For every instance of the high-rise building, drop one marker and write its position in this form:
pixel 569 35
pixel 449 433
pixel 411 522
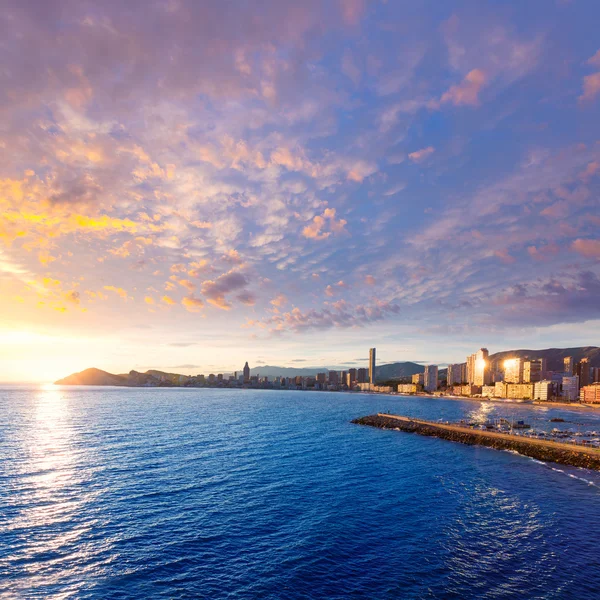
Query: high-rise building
pixel 533 370
pixel 431 378
pixel 595 375
pixel 246 372
pixel 361 375
pixel 351 379
pixel 513 370
pixel 481 368
pixel 321 378
pixel 333 378
pixel 471 368
pixel 582 370
pixel 568 368
pixel 570 386
pixel 372 365
pixel 454 374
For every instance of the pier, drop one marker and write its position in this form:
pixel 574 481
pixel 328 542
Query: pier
pixel 544 450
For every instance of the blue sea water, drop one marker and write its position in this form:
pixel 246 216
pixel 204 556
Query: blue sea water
pixel 171 493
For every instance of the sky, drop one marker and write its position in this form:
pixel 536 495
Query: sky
pixel 189 185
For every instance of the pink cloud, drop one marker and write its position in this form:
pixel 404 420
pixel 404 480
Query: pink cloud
pixel 591 87
pixel 317 229
pixel 589 248
pixel 352 10
pixel 192 304
pixel 370 280
pixel 466 92
pixel 421 155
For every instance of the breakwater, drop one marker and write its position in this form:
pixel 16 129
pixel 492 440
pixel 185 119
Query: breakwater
pixel 544 450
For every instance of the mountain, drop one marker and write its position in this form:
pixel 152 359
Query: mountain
pixel 553 356
pixel 383 372
pixel 93 377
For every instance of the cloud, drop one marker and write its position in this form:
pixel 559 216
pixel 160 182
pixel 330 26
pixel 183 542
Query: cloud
pixel 215 291
pixel 591 87
pixel 279 300
pixel 370 280
pixel 117 290
pixel 340 314
pixel 422 154
pixel 324 225
pixel 192 304
pixel 589 248
pixel 466 93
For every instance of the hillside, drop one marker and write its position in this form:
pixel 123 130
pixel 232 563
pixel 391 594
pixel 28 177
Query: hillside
pixel 93 377
pixel 553 356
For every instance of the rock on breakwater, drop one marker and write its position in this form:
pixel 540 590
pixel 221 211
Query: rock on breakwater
pixel 544 450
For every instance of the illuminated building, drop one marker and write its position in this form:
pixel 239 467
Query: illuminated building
pixel 407 388
pixel 371 365
pixel 481 368
pixel 543 390
pixel 454 374
pixel 513 370
pixel 568 368
pixel 590 393
pixel 418 378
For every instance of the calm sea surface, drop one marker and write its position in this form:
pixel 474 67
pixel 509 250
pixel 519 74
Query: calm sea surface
pixel 148 493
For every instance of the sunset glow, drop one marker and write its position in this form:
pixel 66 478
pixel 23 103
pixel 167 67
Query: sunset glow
pixel 185 187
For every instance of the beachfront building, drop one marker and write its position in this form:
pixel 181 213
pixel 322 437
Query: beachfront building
pixel 430 378
pixel 455 374
pixel 371 365
pixel 418 378
pixel 519 391
pixel 513 370
pixel 543 390
pixel 246 373
pixel 407 388
pixel 361 375
pixel 488 391
pixel 590 394
pixel 570 388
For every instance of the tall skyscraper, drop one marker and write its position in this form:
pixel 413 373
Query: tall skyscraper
pixel 431 378
pixel 246 372
pixel 481 368
pixel 371 366
pixel 568 368
pixel 351 377
pixel 361 375
pixel 453 373
pixel 582 370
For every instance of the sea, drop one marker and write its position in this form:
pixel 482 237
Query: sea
pixel 214 493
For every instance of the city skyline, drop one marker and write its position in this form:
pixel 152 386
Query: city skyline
pixel 295 182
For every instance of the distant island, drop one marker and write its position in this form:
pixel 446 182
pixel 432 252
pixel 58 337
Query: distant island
pixel 398 371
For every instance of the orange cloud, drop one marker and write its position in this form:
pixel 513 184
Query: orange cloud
pixel 589 248
pixel 192 304
pixel 117 290
pixel 149 300
pixel 466 92
pixel 168 300
pixel 279 300
pixel 370 280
